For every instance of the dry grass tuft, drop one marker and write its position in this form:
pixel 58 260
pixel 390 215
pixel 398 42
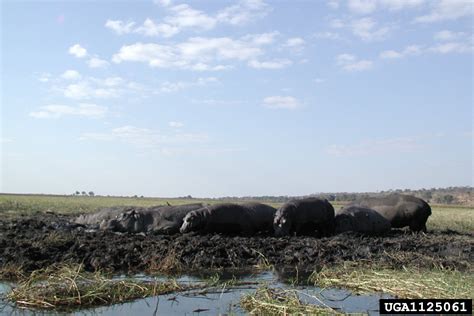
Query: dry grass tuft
pixel 169 264
pixel 406 283
pixel 11 272
pixel 276 301
pixel 69 287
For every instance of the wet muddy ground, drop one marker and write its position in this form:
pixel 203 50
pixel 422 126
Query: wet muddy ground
pixel 38 241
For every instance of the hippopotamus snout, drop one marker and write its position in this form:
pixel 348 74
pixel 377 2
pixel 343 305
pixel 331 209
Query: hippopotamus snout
pixel 281 226
pixel 187 224
pixel 111 224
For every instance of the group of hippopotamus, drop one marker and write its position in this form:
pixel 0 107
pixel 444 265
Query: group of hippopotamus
pixel 371 216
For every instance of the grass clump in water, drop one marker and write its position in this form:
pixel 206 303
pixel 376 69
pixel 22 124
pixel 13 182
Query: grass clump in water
pixel 70 287
pixel 277 301
pixel 405 283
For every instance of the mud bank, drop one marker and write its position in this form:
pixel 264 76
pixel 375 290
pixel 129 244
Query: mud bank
pixel 35 242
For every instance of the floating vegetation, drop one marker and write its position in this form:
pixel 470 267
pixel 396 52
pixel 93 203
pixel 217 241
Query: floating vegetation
pixel 404 283
pixel 11 272
pixel 277 301
pixel 69 287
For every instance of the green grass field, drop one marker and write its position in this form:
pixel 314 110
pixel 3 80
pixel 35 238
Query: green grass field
pixel 458 218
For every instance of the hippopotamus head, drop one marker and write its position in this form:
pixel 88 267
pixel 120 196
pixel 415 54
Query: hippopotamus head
pixel 282 221
pixel 131 221
pixel 191 222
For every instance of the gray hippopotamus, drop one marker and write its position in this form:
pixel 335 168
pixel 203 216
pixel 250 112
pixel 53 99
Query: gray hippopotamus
pixel 93 220
pixel 400 210
pixel 362 220
pixel 230 218
pixel 304 216
pixel 163 219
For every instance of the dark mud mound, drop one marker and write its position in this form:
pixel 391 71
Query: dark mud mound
pixel 36 242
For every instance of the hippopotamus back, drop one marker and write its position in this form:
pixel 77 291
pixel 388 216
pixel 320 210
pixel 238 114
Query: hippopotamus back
pixel 362 220
pixel 163 219
pixel 228 218
pixel 304 216
pixel 101 215
pixel 400 210
pixel 170 218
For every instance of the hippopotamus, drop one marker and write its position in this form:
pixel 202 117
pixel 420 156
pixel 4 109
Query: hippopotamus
pixel 400 210
pixel 304 216
pixel 163 219
pixel 230 218
pixel 93 220
pixel 361 219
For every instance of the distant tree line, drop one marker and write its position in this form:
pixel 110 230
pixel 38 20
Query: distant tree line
pixel 83 193
pixel 450 195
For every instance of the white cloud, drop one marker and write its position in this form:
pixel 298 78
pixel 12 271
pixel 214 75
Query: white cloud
pixel 150 28
pixel 163 3
pixel 71 75
pixel 262 38
pixel 447 35
pixel 144 137
pixel 337 23
pixel 197 53
pixel 270 64
pixel 390 54
pixel 452 47
pixel 396 5
pixel 78 51
pixel 408 51
pixel 376 146
pixel 96 88
pixel 176 124
pixel 120 27
pixel 183 16
pixel 4 140
pixel 295 43
pixel 96 62
pixel 333 4
pixel 443 10
pixel 328 35
pixel 215 102
pixel 85 90
pixel 441 48
pixel 44 77
pixel 351 63
pixel 168 87
pixel 243 12
pixel 362 6
pixel 319 80
pixel 366 29
pixel 281 102
pixel 57 111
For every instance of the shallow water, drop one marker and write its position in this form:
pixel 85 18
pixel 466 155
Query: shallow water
pixel 219 301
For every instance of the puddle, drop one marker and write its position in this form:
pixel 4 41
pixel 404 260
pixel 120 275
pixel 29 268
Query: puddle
pixel 219 301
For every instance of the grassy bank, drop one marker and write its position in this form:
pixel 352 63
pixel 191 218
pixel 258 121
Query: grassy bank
pixel 404 283
pixel 444 217
pixel 277 301
pixel 68 287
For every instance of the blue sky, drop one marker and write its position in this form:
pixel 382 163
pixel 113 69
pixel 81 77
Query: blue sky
pixel 216 98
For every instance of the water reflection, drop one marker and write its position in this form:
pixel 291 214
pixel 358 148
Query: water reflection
pixel 222 300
